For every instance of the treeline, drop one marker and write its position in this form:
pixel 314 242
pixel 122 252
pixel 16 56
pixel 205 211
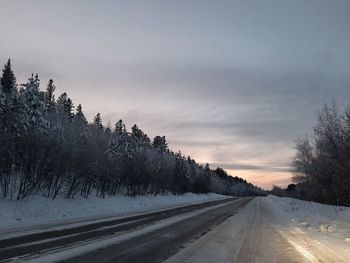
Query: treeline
pixel 321 166
pixel 48 147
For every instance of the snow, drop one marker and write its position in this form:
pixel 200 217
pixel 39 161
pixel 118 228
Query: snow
pixel 39 211
pixel 325 228
pixel 311 216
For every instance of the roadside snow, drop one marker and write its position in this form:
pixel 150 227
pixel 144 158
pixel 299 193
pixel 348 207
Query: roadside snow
pixel 333 220
pixel 38 210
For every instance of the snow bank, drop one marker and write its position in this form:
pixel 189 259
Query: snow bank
pixel 312 216
pixel 38 210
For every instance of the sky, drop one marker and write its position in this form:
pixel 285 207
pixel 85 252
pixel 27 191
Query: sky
pixel 232 83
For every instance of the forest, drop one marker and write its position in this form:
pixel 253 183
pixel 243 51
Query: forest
pixel 48 147
pixel 321 165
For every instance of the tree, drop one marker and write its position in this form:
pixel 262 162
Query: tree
pixel 321 167
pixel 65 106
pixel 9 112
pixel 50 97
pixel 140 137
pixel 303 161
pixel 98 121
pixel 181 182
pixel 160 143
pixel 8 80
pixel 33 105
pixel 79 115
pixel 119 127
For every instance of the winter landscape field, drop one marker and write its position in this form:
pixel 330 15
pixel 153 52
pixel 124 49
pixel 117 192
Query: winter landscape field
pixel 187 131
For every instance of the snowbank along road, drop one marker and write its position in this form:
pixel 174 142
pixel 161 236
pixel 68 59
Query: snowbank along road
pixel 230 230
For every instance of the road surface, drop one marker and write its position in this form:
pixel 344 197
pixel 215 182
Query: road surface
pixel 34 245
pixel 230 230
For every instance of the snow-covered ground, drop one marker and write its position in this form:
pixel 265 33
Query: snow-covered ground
pixel 334 221
pixel 38 210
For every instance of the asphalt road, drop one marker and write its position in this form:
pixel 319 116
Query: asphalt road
pixel 257 234
pixel 154 246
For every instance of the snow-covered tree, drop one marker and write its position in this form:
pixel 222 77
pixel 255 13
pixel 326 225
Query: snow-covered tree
pixel 79 116
pixel 9 115
pixel 33 104
pixel 8 80
pixel 50 97
pixel 119 127
pixel 159 142
pixel 181 182
pixel 98 121
pixel 65 106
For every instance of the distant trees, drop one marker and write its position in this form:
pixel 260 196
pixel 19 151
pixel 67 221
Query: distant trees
pixel 48 147
pixel 321 165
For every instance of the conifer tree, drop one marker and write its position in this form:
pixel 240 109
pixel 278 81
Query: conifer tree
pixel 9 114
pixel 98 121
pixel 160 143
pixel 50 97
pixel 65 106
pixel 119 127
pixel 33 104
pixel 8 79
pixel 79 115
pixel 139 136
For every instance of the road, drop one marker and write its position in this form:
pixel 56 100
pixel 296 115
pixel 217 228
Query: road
pixel 34 245
pixel 257 235
pixel 231 230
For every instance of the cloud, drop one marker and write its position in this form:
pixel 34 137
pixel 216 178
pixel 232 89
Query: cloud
pixel 272 167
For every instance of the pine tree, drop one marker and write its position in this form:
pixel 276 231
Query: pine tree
pixel 9 114
pixel 65 106
pixel 50 97
pixel 160 143
pixel 69 107
pixel 180 182
pixel 98 121
pixel 79 115
pixel 119 127
pixel 121 144
pixel 139 136
pixel 62 99
pixel 2 101
pixel 8 79
pixel 33 104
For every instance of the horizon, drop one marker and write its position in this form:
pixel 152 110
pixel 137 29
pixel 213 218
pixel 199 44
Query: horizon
pixel 236 90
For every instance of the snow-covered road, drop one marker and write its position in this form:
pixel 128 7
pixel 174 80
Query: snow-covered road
pixel 83 239
pixel 266 230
